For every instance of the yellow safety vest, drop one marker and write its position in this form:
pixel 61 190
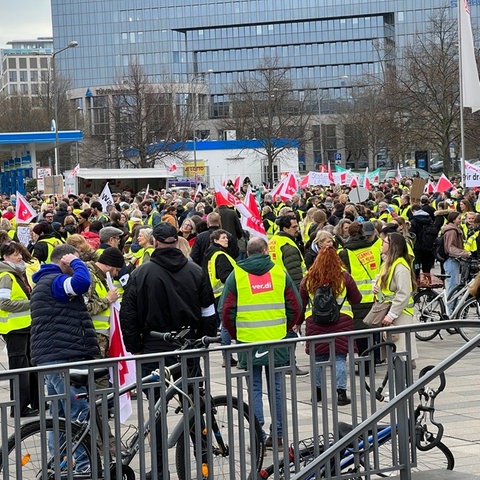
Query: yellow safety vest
pixel 404 211
pixel 364 267
pixel 272 228
pixel 388 294
pixel 261 312
pixel 471 244
pixel 10 321
pixel 217 285
pixel 145 251
pixel 101 321
pixel 51 244
pixel 275 245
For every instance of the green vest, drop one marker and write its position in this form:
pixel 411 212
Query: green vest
pixel 261 312
pixel 388 294
pixel 10 321
pixel 364 267
pixel 217 285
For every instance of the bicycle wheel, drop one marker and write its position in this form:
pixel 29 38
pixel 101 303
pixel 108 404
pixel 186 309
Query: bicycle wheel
pixel 217 442
pixel 469 311
pixel 427 309
pixel 34 453
pixel 439 457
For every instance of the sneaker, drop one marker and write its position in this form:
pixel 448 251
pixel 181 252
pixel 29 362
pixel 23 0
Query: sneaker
pixel 269 442
pixel 298 372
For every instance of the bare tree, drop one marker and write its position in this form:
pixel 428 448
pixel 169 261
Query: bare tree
pixel 265 107
pixel 142 123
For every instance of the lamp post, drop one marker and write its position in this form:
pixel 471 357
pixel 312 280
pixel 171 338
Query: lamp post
pixel 72 44
pixel 196 113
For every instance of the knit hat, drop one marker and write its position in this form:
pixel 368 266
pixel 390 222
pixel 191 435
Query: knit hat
pixel 165 232
pixel 106 233
pixel 112 257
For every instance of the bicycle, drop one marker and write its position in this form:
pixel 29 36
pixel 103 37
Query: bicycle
pixel 431 306
pixel 375 452
pixel 32 459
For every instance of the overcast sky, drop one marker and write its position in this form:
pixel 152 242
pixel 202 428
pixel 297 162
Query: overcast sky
pixel 21 19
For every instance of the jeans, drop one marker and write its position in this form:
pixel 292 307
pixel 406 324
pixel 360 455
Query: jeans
pixel 258 397
pixel 452 268
pixel 55 383
pixel 340 369
pixel 226 338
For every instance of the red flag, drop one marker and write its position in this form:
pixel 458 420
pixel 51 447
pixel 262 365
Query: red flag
pixel 275 192
pixel 366 180
pixel 323 168
pixel 24 212
pixel 429 187
pixel 398 176
pixel 253 223
pixel 173 168
pixel 305 181
pixel 443 184
pixel 290 187
pixel 126 369
pixel 353 182
pixel 330 173
pixel 223 196
pixel 343 178
pixel 236 184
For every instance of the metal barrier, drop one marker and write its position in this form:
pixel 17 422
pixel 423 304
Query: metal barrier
pixel 219 400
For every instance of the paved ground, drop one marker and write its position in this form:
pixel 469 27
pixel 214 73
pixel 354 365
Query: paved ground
pixel 458 407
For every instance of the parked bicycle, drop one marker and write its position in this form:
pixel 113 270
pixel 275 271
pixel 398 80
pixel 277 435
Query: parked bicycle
pixel 225 419
pixel 375 452
pixel 433 306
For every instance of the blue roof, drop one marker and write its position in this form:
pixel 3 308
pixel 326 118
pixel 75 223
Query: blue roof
pixel 12 138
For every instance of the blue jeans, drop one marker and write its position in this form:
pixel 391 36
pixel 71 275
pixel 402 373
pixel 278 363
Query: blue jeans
pixel 340 369
pixel 55 383
pixel 452 268
pixel 226 338
pixel 258 397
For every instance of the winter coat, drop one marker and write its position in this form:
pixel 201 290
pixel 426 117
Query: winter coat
pixel 165 294
pixel 344 323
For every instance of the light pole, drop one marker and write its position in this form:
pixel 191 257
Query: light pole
pixel 196 113
pixel 72 44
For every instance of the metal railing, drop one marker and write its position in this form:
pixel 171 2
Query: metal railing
pixel 228 392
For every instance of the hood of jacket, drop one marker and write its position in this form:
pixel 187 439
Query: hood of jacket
pixel 5 267
pixel 356 242
pixel 46 269
pixel 258 264
pixel 450 226
pixel 439 213
pixel 170 258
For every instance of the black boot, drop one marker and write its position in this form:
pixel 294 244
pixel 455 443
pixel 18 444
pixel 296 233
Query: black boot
pixel 342 397
pixel 319 394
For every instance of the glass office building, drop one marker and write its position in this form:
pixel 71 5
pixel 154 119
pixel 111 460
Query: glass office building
pixel 325 43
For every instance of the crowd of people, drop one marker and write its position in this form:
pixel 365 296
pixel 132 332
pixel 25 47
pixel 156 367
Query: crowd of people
pixel 178 260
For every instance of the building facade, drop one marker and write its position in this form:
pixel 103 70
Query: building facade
pixel 327 45
pixel 25 66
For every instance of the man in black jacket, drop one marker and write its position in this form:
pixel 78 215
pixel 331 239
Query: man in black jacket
pixel 166 294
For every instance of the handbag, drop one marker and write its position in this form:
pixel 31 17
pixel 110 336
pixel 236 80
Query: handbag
pixel 375 316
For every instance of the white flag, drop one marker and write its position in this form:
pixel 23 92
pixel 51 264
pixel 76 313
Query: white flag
pixel 106 197
pixel 469 73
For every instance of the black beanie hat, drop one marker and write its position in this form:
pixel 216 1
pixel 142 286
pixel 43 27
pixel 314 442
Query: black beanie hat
pixel 112 257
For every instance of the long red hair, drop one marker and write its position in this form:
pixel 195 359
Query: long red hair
pixel 327 269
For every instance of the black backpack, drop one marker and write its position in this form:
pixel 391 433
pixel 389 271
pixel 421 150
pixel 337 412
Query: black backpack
pixel 325 309
pixel 439 249
pixel 428 236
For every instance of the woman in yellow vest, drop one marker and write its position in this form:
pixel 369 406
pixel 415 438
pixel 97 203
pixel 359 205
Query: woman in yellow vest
pixel 396 283
pixel 328 270
pixel 145 240
pixel 218 265
pixel 15 323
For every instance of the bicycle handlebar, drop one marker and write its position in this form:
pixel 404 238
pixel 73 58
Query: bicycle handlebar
pixel 180 339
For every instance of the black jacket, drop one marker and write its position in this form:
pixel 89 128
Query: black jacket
pixel 202 243
pixel 165 294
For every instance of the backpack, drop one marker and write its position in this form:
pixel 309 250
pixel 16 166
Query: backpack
pixel 439 249
pixel 325 309
pixel 428 236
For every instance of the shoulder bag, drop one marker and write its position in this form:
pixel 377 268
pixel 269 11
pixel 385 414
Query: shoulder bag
pixel 376 314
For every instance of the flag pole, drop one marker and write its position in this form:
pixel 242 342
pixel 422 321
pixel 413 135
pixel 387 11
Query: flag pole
pixel 460 77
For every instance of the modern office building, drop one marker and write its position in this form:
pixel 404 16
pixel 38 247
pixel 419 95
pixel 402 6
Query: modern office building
pixel 326 44
pixel 25 66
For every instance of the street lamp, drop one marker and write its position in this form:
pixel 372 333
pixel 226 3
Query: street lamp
pixel 72 44
pixel 196 113
pixel 325 80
